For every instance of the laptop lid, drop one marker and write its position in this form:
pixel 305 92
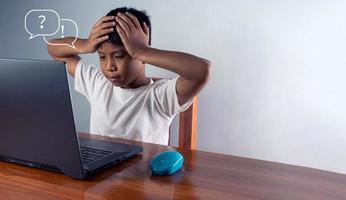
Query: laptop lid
pixel 36 119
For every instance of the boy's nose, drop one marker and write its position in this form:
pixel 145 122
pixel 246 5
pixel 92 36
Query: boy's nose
pixel 111 67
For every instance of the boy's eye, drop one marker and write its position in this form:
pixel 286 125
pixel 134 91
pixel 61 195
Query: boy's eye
pixel 119 56
pixel 102 57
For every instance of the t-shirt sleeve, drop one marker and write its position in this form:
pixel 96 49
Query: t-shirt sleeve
pixel 85 79
pixel 167 98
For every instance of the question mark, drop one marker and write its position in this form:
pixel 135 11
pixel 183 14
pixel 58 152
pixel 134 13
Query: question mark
pixel 43 19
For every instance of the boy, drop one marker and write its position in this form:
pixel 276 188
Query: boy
pixel 124 101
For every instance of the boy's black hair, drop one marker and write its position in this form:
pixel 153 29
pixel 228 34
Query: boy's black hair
pixel 142 16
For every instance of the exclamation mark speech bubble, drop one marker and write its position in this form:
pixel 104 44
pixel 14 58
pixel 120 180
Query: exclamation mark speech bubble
pixel 67 27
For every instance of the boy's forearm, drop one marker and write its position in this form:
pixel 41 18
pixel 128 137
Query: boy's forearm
pixel 186 65
pixel 58 52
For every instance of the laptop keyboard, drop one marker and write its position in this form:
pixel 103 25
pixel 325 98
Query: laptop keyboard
pixel 91 154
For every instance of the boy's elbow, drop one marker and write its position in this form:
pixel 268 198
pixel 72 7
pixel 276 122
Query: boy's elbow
pixel 206 71
pixel 51 51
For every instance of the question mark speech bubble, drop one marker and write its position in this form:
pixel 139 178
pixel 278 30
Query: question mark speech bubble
pixel 41 22
pixel 67 27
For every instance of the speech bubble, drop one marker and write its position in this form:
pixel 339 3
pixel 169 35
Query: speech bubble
pixel 41 22
pixel 67 28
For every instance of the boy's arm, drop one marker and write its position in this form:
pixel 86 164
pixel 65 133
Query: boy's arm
pixel 69 55
pixel 66 54
pixel 194 71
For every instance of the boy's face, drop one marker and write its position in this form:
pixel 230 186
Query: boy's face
pixel 118 66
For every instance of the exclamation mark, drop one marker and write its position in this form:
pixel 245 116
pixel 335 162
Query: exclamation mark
pixel 62 31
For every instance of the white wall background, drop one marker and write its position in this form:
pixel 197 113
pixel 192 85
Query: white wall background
pixel 278 90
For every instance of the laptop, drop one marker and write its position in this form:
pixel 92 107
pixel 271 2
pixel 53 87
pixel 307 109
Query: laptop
pixel 37 126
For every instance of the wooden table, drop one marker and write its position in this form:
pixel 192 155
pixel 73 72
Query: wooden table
pixel 204 176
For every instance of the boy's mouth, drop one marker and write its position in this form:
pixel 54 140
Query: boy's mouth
pixel 115 79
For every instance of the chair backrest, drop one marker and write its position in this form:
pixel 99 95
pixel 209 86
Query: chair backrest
pixel 187 125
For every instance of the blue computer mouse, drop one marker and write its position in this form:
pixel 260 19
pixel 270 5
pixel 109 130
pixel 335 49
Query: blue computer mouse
pixel 166 163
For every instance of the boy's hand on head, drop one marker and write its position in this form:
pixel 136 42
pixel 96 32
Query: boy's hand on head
pixel 99 33
pixel 134 38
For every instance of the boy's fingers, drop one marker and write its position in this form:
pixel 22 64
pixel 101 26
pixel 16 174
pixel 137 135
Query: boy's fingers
pixel 146 29
pixel 104 19
pixel 105 25
pixel 134 20
pixel 123 25
pixel 102 39
pixel 121 33
pixel 126 20
pixel 103 32
pixel 102 29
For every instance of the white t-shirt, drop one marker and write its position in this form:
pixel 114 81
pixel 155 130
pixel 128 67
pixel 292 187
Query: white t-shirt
pixel 142 114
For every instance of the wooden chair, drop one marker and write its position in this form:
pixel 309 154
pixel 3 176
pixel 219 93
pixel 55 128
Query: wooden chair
pixel 187 125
